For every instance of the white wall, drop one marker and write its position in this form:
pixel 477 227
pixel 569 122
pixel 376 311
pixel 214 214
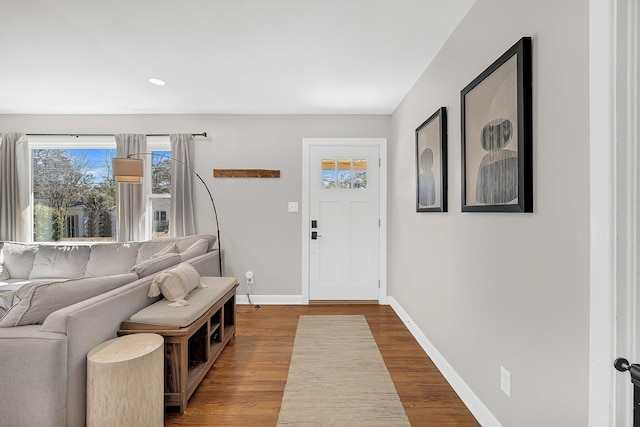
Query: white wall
pixel 491 290
pixel 257 232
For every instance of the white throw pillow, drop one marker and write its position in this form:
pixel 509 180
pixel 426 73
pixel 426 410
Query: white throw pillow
pixel 175 284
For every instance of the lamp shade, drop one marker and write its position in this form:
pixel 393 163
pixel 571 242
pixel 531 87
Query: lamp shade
pixel 127 170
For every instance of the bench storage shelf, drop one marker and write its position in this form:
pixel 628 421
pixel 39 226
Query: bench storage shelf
pixel 193 340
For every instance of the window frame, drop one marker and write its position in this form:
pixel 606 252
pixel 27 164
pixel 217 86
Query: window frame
pixel 70 142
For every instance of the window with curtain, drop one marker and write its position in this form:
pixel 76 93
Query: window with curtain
pixel 73 190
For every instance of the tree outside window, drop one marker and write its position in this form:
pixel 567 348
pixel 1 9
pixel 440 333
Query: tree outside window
pixel 73 195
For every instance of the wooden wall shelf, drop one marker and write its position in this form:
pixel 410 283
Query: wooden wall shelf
pixel 246 173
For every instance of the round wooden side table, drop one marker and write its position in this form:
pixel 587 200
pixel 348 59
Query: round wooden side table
pixel 125 382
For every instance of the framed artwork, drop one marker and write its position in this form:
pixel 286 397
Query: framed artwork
pixel 431 163
pixel 496 112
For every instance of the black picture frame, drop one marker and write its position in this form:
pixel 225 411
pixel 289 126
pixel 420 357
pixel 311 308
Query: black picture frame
pixel 496 107
pixel 431 163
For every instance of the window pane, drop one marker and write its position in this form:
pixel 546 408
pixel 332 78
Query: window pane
pixel 73 194
pixel 160 226
pixel 360 173
pixel 344 173
pixel 328 173
pixel 161 172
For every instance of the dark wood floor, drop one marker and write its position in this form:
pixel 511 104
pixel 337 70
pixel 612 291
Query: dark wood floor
pixel 245 386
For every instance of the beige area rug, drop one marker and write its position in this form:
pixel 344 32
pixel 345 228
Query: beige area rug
pixel 337 377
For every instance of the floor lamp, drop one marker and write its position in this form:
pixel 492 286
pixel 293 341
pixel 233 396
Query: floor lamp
pixel 131 170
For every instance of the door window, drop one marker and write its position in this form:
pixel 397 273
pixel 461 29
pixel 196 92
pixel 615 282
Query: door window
pixel 344 174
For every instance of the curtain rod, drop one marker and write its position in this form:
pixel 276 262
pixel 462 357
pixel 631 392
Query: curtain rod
pixel 204 134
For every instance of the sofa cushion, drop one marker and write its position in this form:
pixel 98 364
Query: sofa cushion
pixel 175 284
pixel 18 258
pixel 149 249
pixel 197 248
pixel 155 264
pixel 111 258
pixel 200 300
pixel 33 302
pixel 66 262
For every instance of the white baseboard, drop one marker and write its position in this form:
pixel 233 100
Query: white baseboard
pixel 475 405
pixel 270 299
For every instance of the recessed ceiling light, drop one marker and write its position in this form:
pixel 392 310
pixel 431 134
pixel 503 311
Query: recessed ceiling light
pixel 157 81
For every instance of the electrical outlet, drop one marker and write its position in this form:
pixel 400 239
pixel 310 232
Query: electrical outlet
pixel 249 276
pixel 292 207
pixel 505 381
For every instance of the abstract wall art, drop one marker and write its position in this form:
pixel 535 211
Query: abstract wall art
pixel 496 113
pixel 431 163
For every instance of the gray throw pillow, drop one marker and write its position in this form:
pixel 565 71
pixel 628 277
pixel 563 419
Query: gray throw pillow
pixel 4 273
pixel 183 243
pixel 3 307
pixel 155 264
pixel 197 248
pixel 151 249
pixel 18 258
pixel 33 302
pixel 111 258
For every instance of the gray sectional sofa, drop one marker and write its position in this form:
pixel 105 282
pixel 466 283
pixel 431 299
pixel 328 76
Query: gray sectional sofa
pixel 57 302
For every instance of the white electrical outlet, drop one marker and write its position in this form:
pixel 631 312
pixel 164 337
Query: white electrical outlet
pixel 292 207
pixel 249 276
pixel 505 381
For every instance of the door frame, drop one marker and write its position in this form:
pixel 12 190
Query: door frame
pixel 613 92
pixel 381 143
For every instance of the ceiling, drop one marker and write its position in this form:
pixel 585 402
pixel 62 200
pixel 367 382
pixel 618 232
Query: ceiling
pixel 217 56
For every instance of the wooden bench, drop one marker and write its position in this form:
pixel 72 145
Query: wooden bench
pixel 194 335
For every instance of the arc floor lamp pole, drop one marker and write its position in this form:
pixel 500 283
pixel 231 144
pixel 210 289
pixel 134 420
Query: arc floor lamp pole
pixel 131 170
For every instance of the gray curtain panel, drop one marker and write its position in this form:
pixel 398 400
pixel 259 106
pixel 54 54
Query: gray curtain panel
pixel 183 221
pixel 131 198
pixel 15 171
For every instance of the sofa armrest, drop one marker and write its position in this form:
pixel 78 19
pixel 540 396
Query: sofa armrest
pixel 87 324
pixel 34 377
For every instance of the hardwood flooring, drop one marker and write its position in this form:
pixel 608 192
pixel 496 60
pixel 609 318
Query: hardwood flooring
pixel 246 384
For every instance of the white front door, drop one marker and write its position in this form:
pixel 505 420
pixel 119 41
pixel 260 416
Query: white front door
pixel 344 221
